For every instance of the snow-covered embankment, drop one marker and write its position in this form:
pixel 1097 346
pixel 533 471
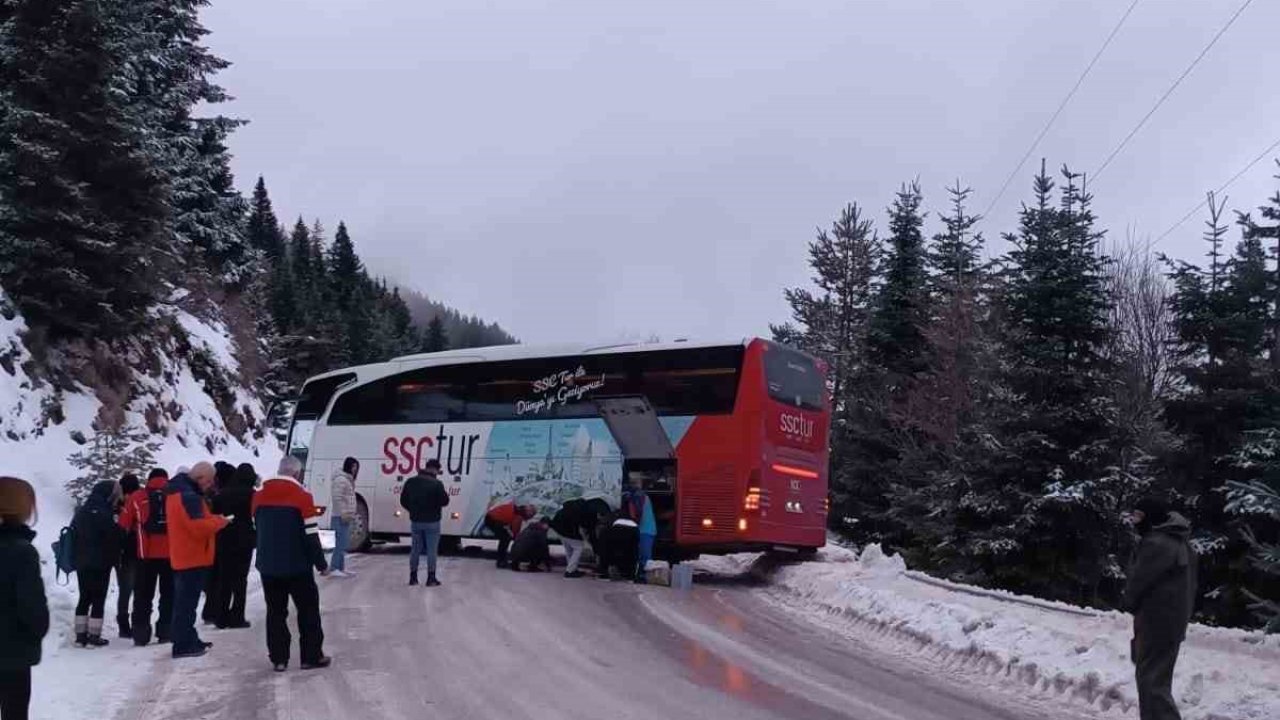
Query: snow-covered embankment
pixel 1012 643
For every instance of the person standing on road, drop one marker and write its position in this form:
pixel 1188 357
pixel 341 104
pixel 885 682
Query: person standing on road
pixel 223 472
pixel 505 521
pixel 97 550
pixel 234 548
pixel 640 509
pixel 143 518
pixel 342 511
pixel 127 567
pixel 22 600
pixel 424 496
pixel 1160 593
pixel 192 529
pixel 288 549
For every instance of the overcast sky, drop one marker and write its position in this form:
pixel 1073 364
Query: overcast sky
pixel 588 170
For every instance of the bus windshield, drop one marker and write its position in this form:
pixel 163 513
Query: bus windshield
pixel 794 379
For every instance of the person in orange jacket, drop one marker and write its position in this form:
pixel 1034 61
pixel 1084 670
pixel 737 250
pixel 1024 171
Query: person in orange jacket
pixel 144 518
pixel 193 529
pixel 505 521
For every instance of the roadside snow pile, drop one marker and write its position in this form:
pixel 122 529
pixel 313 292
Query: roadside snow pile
pixel 1077 654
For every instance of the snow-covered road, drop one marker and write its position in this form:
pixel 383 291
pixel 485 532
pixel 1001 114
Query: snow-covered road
pixel 496 644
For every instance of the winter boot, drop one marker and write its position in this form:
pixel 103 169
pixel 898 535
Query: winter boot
pixel 95 639
pixel 413 577
pixel 82 631
pixel 126 632
pixel 432 581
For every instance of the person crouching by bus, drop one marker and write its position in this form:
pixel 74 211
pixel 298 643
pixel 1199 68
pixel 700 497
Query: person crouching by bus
pixel 22 600
pixel 143 518
pixel 575 523
pixel 618 544
pixel 531 547
pixel 288 549
pixel 639 508
pixel 424 496
pixel 192 529
pixel 342 511
pixel 505 521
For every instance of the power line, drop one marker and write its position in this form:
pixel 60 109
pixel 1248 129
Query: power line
pixel 1045 130
pixel 1169 92
pixel 1225 185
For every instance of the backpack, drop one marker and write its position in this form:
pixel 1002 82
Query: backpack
pixel 64 554
pixel 157 523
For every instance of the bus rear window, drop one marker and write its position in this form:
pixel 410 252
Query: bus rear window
pixel 793 378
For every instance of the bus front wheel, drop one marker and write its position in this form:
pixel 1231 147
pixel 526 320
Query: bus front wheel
pixel 361 539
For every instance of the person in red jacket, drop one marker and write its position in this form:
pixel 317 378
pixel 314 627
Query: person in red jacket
pixel 143 518
pixel 193 529
pixel 505 521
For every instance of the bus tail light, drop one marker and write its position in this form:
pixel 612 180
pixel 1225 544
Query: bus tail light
pixel 753 499
pixel 707 523
pixel 826 505
pixel 795 471
pixel 742 524
pixel 319 509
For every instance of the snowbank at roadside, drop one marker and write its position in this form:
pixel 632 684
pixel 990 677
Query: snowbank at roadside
pixel 1022 643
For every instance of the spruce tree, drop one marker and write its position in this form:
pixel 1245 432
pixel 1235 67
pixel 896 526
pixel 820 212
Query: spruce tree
pixel 110 453
pixel 263 230
pixel 902 307
pixel 435 339
pixel 84 207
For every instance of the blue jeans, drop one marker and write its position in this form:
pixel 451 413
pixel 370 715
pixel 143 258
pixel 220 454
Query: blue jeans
pixel 187 586
pixel 341 538
pixel 426 537
pixel 644 553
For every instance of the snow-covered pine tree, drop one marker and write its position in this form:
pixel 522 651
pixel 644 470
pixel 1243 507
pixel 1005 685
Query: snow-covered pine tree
pixel 435 339
pixel 84 204
pixel 1257 502
pixel 109 454
pixel 263 229
pixel 833 324
pixel 902 307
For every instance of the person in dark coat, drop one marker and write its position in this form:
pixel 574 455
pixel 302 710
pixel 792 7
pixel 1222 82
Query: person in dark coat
pixel 127 568
pixel 98 541
pixel 619 539
pixel 424 496
pixel 223 476
pixel 1160 593
pixel 288 553
pixel 531 547
pixel 235 545
pixel 575 522
pixel 23 606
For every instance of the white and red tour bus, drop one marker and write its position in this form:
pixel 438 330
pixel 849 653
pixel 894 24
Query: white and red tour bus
pixel 729 438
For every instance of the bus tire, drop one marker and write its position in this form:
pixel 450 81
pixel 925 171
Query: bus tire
pixel 450 545
pixel 361 538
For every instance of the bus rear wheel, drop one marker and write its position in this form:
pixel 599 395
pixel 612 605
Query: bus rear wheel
pixel 361 539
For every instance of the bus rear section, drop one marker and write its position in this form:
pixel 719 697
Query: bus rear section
pixel 756 479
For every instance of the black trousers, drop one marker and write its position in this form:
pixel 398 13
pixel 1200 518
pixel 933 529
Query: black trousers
pixel 150 576
pixel 618 547
pixel 1155 663
pixel 93 592
pixel 187 585
pixel 279 590
pixel 15 693
pixel 209 613
pixel 126 576
pixel 504 538
pixel 233 579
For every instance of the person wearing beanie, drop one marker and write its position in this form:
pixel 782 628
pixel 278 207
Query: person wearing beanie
pixel 127 568
pixel 22 600
pixel 97 550
pixel 143 519
pixel 1160 592
pixel 424 497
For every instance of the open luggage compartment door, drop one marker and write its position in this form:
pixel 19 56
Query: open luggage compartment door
pixel 635 427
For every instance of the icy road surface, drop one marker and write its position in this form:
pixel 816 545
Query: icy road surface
pixel 497 644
